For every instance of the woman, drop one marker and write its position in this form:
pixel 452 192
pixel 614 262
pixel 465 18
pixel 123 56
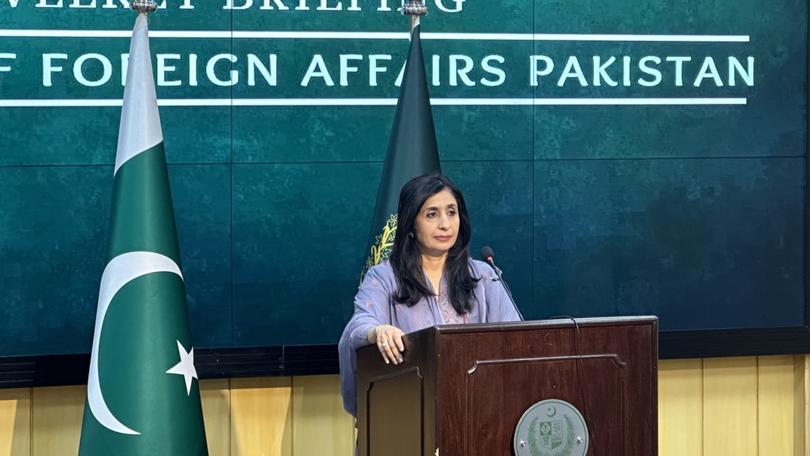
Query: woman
pixel 428 280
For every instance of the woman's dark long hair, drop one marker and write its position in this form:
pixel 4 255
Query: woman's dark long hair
pixel 406 256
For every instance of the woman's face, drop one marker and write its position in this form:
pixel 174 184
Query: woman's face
pixel 436 227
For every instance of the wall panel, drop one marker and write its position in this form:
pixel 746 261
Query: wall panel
pixel 730 406
pixel 56 422
pixel 712 407
pixel 320 426
pixel 216 405
pixel 680 408
pixel 775 405
pixel 15 422
pixel 261 417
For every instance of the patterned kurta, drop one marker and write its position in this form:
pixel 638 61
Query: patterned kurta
pixel 375 300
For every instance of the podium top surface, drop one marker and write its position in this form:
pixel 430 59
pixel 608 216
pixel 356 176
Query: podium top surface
pixel 546 324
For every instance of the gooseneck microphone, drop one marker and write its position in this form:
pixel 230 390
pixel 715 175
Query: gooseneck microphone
pixel 488 256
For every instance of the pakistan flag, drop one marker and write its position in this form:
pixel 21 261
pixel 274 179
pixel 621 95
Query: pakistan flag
pixel 143 396
pixel 412 151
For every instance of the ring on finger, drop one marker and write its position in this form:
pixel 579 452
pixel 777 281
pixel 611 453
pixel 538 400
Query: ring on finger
pixel 384 344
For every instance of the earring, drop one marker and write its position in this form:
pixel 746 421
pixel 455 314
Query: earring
pixel 410 234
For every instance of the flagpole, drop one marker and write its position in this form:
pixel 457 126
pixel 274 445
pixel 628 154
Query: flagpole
pixel 415 9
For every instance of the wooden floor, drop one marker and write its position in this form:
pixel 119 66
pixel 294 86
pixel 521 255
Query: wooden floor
pixel 754 406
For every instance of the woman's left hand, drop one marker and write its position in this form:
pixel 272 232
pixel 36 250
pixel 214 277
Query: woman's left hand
pixel 389 341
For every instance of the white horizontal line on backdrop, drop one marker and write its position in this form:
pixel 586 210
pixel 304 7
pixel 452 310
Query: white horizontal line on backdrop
pixel 31 33
pixel 180 102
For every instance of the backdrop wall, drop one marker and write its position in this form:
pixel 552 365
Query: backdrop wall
pixel 651 163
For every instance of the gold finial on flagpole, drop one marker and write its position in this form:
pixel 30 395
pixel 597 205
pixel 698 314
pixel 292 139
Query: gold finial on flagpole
pixel 144 6
pixel 415 9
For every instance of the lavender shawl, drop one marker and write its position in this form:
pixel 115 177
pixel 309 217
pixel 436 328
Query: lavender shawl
pixel 375 300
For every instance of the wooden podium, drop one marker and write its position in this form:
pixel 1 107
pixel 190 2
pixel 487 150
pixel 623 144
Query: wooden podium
pixel 463 388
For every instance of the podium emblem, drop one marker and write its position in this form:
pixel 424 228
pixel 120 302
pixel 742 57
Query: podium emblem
pixel 551 428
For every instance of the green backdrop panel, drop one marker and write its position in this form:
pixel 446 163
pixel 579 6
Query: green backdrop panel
pixel 693 212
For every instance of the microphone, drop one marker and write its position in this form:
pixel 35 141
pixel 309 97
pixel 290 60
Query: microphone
pixel 489 257
pixel 487 253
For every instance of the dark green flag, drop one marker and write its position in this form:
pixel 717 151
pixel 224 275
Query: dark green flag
pixel 143 396
pixel 412 151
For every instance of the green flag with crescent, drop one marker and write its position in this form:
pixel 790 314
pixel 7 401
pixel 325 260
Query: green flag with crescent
pixel 143 395
pixel 412 151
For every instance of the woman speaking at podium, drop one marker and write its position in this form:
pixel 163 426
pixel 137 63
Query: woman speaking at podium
pixel 428 280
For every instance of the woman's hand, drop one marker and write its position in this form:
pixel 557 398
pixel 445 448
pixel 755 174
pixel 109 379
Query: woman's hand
pixel 389 341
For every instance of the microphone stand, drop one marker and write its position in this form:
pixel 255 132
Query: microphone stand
pixel 499 273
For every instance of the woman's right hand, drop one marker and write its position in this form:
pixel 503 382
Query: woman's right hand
pixel 389 341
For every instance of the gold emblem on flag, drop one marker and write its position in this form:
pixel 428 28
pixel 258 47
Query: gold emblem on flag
pixel 383 243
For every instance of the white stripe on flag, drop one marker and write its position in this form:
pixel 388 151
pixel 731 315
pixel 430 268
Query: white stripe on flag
pixel 140 121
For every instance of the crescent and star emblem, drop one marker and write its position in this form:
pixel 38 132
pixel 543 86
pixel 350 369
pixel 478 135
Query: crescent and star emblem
pixel 120 271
